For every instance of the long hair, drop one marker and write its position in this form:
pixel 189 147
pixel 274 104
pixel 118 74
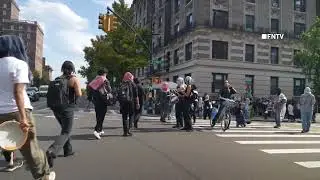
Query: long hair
pixel 11 45
pixel 68 68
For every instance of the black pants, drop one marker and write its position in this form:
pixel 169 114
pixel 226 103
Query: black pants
pixel 137 114
pixel 187 115
pixel 179 114
pixel 207 113
pixel 127 111
pixel 65 117
pixel 101 110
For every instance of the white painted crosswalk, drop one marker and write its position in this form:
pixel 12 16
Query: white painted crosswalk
pixel 280 142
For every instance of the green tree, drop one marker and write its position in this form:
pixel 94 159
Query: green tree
pixel 309 57
pixel 118 51
pixel 36 78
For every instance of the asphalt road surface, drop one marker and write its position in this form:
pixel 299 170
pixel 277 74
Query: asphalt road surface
pixel 158 152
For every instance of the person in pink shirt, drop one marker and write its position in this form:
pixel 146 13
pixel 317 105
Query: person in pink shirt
pixel 100 83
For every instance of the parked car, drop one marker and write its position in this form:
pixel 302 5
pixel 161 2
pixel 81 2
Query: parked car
pixel 43 90
pixel 33 94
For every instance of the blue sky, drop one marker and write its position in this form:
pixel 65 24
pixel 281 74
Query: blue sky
pixel 68 27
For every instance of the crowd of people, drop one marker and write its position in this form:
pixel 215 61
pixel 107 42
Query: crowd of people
pixel 64 91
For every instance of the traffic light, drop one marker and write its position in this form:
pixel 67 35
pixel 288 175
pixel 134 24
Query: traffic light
pixel 103 22
pixel 108 23
pixel 113 23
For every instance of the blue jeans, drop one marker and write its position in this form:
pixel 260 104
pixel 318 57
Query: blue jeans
pixel 306 118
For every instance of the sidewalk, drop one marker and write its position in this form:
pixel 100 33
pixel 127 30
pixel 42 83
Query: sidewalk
pixel 258 118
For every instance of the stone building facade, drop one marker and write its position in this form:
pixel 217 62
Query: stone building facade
pixel 29 31
pixel 215 40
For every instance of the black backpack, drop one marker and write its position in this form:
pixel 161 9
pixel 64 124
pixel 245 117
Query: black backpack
pixel 58 92
pixel 125 92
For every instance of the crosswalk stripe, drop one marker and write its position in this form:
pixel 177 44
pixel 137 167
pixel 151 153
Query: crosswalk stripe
pixel 290 151
pixel 277 142
pixel 266 135
pixel 309 164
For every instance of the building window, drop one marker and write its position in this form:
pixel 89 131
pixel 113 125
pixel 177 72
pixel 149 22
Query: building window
pixel 299 28
pixel 189 20
pixel 220 19
pixel 274 84
pixel 174 79
pixel 159 41
pixel 295 52
pixel 275 3
pixel 249 56
pixel 274 25
pixel 188 74
pixel 5 5
pixel 188 51
pixel 298 86
pixel 249 84
pixel 4 13
pixel 176 57
pixel 176 29
pixel 219 49
pixel 12 27
pixel 176 5
pixel 274 55
pixel 249 23
pixel 28 36
pixel 251 1
pixel 187 2
pixel 218 82
pixel 159 64
pixel 300 5
pixel 160 22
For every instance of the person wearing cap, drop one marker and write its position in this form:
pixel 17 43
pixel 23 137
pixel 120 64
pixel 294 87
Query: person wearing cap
pixel 226 92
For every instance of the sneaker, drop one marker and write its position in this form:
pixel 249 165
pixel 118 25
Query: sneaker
pixel 101 133
pixel 51 176
pixel 97 135
pixel 16 165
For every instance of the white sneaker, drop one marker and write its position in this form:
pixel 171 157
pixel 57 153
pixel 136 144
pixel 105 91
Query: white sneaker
pixel 96 134
pixel 101 133
pixel 52 176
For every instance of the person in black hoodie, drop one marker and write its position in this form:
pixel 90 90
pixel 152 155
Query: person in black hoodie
pixel 141 96
pixel 129 101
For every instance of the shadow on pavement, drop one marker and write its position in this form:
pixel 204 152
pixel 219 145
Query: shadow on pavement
pixel 148 130
pixel 105 128
pixel 79 137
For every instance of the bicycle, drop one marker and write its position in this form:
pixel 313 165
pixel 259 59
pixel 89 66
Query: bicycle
pixel 225 116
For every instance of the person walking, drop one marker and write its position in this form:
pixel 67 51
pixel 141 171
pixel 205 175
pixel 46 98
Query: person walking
pixel 181 87
pixel 100 88
pixel 280 107
pixel 307 102
pixel 141 96
pixel 129 100
pixel 207 107
pixel 15 104
pixel 290 112
pixel 187 101
pixel 67 86
pixel 164 102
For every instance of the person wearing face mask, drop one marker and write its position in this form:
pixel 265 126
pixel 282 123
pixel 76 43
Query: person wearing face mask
pixel 226 92
pixel 179 105
pixel 280 107
pixel 307 102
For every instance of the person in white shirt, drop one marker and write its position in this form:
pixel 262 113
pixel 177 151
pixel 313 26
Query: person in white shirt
pixel 280 108
pixel 15 104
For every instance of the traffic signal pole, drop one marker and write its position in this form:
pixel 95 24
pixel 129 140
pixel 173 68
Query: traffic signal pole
pixel 132 29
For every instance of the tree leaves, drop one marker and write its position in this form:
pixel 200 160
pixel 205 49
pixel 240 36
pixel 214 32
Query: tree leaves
pixel 309 58
pixel 118 51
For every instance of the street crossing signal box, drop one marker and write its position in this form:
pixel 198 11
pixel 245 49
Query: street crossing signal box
pixel 107 23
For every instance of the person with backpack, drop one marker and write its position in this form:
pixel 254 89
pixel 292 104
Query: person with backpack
pixel 61 99
pixel 141 95
pixel 15 103
pixel 101 90
pixel 129 101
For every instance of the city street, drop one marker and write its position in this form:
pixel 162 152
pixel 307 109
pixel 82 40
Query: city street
pixel 158 152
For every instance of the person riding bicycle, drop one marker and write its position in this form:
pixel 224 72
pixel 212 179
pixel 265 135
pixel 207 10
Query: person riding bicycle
pixel 226 92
